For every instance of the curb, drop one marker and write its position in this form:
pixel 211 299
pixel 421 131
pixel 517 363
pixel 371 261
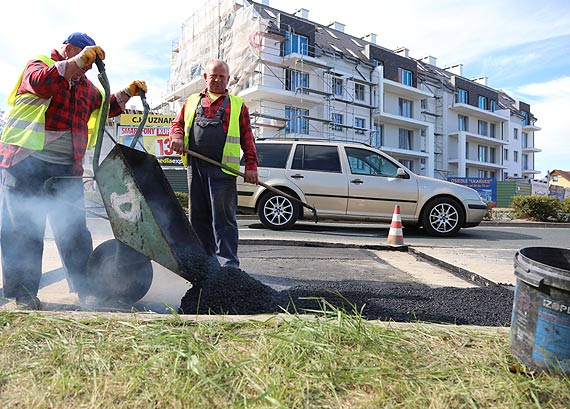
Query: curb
pixel 524 224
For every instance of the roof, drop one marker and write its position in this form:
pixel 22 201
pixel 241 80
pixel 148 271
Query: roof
pixel 564 173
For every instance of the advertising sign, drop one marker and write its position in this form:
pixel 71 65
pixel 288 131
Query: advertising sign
pixel 486 187
pixel 154 137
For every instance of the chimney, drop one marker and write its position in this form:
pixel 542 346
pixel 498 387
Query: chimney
pixel 337 26
pixel 429 60
pixel 371 38
pixel 480 80
pixel 403 51
pixel 456 69
pixel 303 13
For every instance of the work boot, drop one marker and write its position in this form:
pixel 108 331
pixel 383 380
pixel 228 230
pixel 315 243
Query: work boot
pixel 29 302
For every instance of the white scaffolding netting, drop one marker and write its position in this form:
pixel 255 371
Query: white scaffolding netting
pixel 229 30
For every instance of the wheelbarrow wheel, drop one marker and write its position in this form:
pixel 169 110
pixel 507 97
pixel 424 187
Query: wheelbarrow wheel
pixel 118 273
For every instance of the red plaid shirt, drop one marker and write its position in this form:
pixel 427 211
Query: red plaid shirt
pixel 247 140
pixel 69 109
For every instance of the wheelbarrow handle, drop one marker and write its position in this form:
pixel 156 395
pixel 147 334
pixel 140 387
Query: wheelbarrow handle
pixel 265 185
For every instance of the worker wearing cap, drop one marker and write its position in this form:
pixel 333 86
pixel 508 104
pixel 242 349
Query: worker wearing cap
pixel 216 125
pixel 53 121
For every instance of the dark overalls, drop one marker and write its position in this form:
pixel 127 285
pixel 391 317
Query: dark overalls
pixel 213 193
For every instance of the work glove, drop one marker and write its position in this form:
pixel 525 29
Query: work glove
pixel 87 57
pixel 133 89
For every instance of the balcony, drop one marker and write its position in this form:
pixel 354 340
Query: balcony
pixel 409 123
pixel 531 128
pixel 531 172
pixel 530 149
pixel 405 91
pixel 263 92
pixel 478 164
pixel 470 110
pixel 298 61
pixel 473 137
pixel 195 85
pixel 404 153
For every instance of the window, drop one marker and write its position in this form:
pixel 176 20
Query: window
pixel 296 81
pixel 516 133
pixel 407 163
pixel 516 156
pixel 365 162
pixel 493 105
pixel 359 91
pixel 482 102
pixel 404 139
pixel 405 76
pixel 524 162
pixel 462 96
pixel 525 120
pixel 524 140
pixel 482 128
pixel 337 121
pixel 483 153
pixel 466 150
pixel 493 130
pixel 296 122
pixel 482 173
pixel 506 154
pixel 296 44
pixel 405 107
pixel 492 153
pixel 462 122
pixel 316 157
pixel 337 86
pixel 423 104
pixel 273 155
pixel 377 63
pixel 359 124
pixel 377 137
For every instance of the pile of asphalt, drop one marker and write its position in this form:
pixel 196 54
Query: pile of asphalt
pixel 233 292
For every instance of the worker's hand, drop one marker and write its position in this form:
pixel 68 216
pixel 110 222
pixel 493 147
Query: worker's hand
pixel 87 57
pixel 177 145
pixel 251 177
pixel 133 89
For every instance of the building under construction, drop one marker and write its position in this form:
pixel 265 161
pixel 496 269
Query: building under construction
pixel 303 79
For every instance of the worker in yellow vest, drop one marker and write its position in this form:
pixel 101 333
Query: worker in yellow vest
pixel 53 120
pixel 216 125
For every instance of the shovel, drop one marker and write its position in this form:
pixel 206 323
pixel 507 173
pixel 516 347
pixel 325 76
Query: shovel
pixel 265 185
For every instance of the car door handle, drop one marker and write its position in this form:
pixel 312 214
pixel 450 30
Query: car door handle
pixel 357 181
pixel 297 176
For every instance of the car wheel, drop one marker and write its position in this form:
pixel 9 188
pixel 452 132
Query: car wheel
pixel 442 217
pixel 277 212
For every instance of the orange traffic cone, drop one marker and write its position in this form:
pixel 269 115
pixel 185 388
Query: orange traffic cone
pixel 395 236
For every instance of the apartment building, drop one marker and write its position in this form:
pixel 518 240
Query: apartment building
pixel 304 79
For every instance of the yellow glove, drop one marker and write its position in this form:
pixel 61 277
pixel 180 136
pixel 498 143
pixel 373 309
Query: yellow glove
pixel 87 56
pixel 136 85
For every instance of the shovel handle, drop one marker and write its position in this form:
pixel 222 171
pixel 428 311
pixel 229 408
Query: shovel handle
pixel 239 173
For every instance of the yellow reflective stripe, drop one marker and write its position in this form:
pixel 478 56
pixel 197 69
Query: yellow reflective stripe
pixel 232 139
pixel 93 123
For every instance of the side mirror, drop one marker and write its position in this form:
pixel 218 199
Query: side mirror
pixel 401 173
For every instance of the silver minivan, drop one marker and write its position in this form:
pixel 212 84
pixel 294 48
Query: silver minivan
pixel 353 181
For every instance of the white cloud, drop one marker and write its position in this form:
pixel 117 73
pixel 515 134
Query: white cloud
pixel 551 105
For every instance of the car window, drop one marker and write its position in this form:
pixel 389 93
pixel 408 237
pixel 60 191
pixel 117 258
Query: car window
pixel 272 155
pixel 316 157
pixel 366 162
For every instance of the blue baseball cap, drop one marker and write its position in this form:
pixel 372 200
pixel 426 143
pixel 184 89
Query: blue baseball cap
pixel 81 40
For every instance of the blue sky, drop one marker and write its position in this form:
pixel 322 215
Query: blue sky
pixel 522 47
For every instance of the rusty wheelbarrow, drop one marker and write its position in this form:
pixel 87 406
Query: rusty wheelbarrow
pixel 147 220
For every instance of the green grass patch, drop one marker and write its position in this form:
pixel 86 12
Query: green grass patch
pixel 329 360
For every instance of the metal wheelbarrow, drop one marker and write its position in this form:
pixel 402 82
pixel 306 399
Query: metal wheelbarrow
pixel 147 220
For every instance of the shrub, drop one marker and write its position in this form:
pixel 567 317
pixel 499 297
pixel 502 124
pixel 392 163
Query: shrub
pixel 537 208
pixel 490 206
pixel 183 199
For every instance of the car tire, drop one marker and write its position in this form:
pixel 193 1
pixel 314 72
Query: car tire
pixel 442 217
pixel 277 212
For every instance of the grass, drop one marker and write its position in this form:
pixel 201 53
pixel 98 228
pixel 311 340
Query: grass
pixel 331 359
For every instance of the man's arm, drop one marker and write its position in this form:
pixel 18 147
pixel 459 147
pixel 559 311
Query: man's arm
pixel 247 142
pixel 176 133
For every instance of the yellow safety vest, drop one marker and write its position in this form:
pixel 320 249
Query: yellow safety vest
pixel 25 124
pixel 231 151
